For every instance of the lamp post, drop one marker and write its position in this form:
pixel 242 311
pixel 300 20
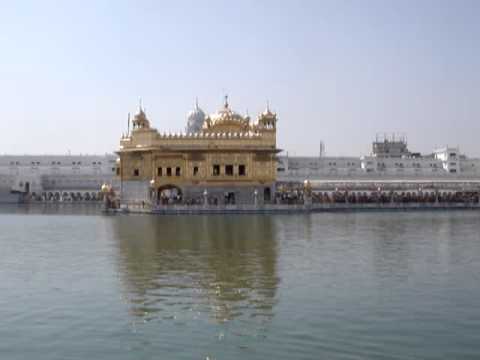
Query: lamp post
pixel 106 191
pixel 255 197
pixel 152 190
pixel 120 167
pixel 307 192
pixel 205 197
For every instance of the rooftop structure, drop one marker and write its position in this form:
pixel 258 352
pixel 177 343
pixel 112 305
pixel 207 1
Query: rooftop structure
pixel 393 146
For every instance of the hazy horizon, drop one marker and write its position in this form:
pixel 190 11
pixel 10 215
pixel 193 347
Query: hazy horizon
pixel 334 71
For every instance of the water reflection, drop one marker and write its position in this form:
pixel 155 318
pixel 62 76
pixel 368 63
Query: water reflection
pixel 217 265
pixel 52 209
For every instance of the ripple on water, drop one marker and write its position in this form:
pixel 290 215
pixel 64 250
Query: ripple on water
pixel 334 286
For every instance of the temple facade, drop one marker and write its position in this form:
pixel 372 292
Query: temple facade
pixel 223 158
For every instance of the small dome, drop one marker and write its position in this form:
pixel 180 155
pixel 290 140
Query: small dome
pixel 140 120
pixel 267 119
pixel 267 113
pixel 195 119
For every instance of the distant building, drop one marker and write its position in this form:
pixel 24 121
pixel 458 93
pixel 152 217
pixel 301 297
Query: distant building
pixel 390 159
pixel 390 147
pixel 54 176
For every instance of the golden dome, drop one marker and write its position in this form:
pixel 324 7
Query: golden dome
pixel 105 188
pixel 226 119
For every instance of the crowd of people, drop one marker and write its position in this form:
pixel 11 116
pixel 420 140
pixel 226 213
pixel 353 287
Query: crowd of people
pixel 305 195
pixel 378 197
pixel 63 196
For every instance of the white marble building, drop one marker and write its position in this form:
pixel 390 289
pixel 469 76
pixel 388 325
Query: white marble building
pixel 389 160
pixel 57 174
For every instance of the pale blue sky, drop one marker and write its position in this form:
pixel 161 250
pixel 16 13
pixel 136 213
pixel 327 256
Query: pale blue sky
pixel 337 71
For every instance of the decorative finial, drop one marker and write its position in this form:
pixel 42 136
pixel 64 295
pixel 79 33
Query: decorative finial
pixel 140 107
pixel 196 102
pixel 268 106
pixel 128 125
pixel 226 101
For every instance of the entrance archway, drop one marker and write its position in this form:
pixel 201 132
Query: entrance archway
pixel 169 194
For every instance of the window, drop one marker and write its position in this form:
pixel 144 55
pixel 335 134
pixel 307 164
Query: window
pixel 453 170
pixel 160 171
pixel 177 171
pixel 169 171
pixel 136 172
pixel 195 170
pixel 241 170
pixel 216 170
pixel 229 170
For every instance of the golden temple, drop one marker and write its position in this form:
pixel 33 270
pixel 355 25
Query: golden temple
pixel 223 158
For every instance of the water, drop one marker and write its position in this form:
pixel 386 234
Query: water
pixel 320 286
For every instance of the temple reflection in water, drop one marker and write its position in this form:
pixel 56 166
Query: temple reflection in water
pixel 221 266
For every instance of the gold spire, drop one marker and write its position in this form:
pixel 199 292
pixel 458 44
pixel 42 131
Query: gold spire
pixel 226 101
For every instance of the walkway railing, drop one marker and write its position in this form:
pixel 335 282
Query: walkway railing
pixel 295 208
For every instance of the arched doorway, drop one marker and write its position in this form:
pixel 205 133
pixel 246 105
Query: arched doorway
pixel 267 194
pixel 169 194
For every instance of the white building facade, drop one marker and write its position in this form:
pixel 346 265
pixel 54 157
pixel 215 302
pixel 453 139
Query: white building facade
pixel 389 160
pixel 55 174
